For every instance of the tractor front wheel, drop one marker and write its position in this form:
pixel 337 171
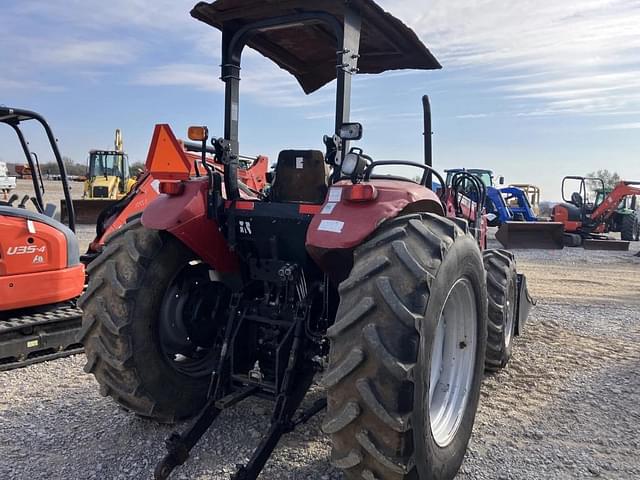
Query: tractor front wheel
pixel 502 289
pixel 630 229
pixel 407 352
pixel 153 320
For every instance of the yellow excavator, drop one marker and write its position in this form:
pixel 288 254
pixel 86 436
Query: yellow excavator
pixel 108 180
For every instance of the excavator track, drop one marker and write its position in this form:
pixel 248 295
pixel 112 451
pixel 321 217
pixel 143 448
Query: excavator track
pixel 36 336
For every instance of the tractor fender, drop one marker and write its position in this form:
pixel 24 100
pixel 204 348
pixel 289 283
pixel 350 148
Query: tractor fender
pixel 341 225
pixel 185 217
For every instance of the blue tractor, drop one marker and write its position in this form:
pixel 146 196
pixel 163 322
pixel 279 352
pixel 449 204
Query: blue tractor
pixel 518 203
pixel 503 204
pixel 510 209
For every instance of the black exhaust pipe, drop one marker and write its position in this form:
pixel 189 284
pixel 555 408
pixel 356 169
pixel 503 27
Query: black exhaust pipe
pixel 428 148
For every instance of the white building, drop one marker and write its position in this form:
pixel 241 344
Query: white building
pixel 6 182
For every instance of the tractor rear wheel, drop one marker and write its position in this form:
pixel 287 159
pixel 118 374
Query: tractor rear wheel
pixel 502 290
pixel 407 352
pixel 151 317
pixel 629 228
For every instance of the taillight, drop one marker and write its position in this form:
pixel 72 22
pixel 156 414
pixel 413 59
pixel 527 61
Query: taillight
pixel 171 188
pixel 361 192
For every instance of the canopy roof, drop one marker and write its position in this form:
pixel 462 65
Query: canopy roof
pixel 13 116
pixel 308 52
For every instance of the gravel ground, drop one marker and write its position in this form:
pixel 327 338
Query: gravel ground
pixel 567 406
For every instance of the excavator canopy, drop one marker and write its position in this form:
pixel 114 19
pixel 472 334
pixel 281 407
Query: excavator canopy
pixel 308 51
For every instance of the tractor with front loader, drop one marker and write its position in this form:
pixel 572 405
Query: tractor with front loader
pixel 626 219
pixel 532 196
pixel 217 293
pixel 108 180
pixel 508 208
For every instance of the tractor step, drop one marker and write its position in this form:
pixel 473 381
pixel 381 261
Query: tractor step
pixel 598 244
pixel 39 336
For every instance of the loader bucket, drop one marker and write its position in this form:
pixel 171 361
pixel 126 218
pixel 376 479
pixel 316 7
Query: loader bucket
pixel 541 235
pixel 87 211
pixel 525 302
pixel 602 244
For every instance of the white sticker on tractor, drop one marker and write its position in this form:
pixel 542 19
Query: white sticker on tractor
pixel 299 163
pixel 328 208
pixel 335 194
pixel 31 227
pixel 334 226
pixel 245 227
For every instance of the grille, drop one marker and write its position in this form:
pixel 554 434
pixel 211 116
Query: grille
pixel 100 192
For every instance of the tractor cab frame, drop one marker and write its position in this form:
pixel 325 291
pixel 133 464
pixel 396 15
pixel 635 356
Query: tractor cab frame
pixel 333 42
pixel 13 117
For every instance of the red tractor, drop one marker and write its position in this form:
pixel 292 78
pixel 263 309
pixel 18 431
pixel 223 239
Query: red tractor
pixel 218 294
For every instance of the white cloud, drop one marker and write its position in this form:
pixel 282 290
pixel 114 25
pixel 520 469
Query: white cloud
pixel 621 126
pixel 198 76
pixel 545 51
pixel 474 115
pixel 260 80
pixel 97 14
pixel 9 84
pixel 82 52
pixel 546 57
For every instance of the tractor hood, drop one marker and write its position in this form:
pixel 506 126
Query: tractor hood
pixel 308 51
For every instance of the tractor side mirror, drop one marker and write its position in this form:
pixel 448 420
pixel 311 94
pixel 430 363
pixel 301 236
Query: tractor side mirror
pixel 351 131
pixel 198 134
pixel 501 180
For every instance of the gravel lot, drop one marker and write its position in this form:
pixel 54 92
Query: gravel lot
pixel 567 406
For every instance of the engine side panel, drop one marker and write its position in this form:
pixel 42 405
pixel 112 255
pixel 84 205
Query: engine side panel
pixel 40 288
pixel 27 246
pixel 567 214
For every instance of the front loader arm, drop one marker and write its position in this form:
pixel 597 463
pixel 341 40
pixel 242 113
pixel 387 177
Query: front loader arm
pixel 610 204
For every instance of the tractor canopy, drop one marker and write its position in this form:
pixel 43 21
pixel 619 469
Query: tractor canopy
pixel 307 49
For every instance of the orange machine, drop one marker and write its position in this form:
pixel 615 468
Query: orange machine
pixel 585 220
pixel 169 158
pixel 40 269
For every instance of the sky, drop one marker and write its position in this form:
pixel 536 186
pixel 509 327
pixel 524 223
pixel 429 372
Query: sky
pixel 534 89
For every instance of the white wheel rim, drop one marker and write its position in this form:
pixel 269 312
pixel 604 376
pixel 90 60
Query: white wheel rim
pixel 453 358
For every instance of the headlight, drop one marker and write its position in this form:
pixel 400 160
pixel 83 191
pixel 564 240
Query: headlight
pixel 350 163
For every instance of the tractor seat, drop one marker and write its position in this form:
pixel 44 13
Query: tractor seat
pixel 576 199
pixel 301 176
